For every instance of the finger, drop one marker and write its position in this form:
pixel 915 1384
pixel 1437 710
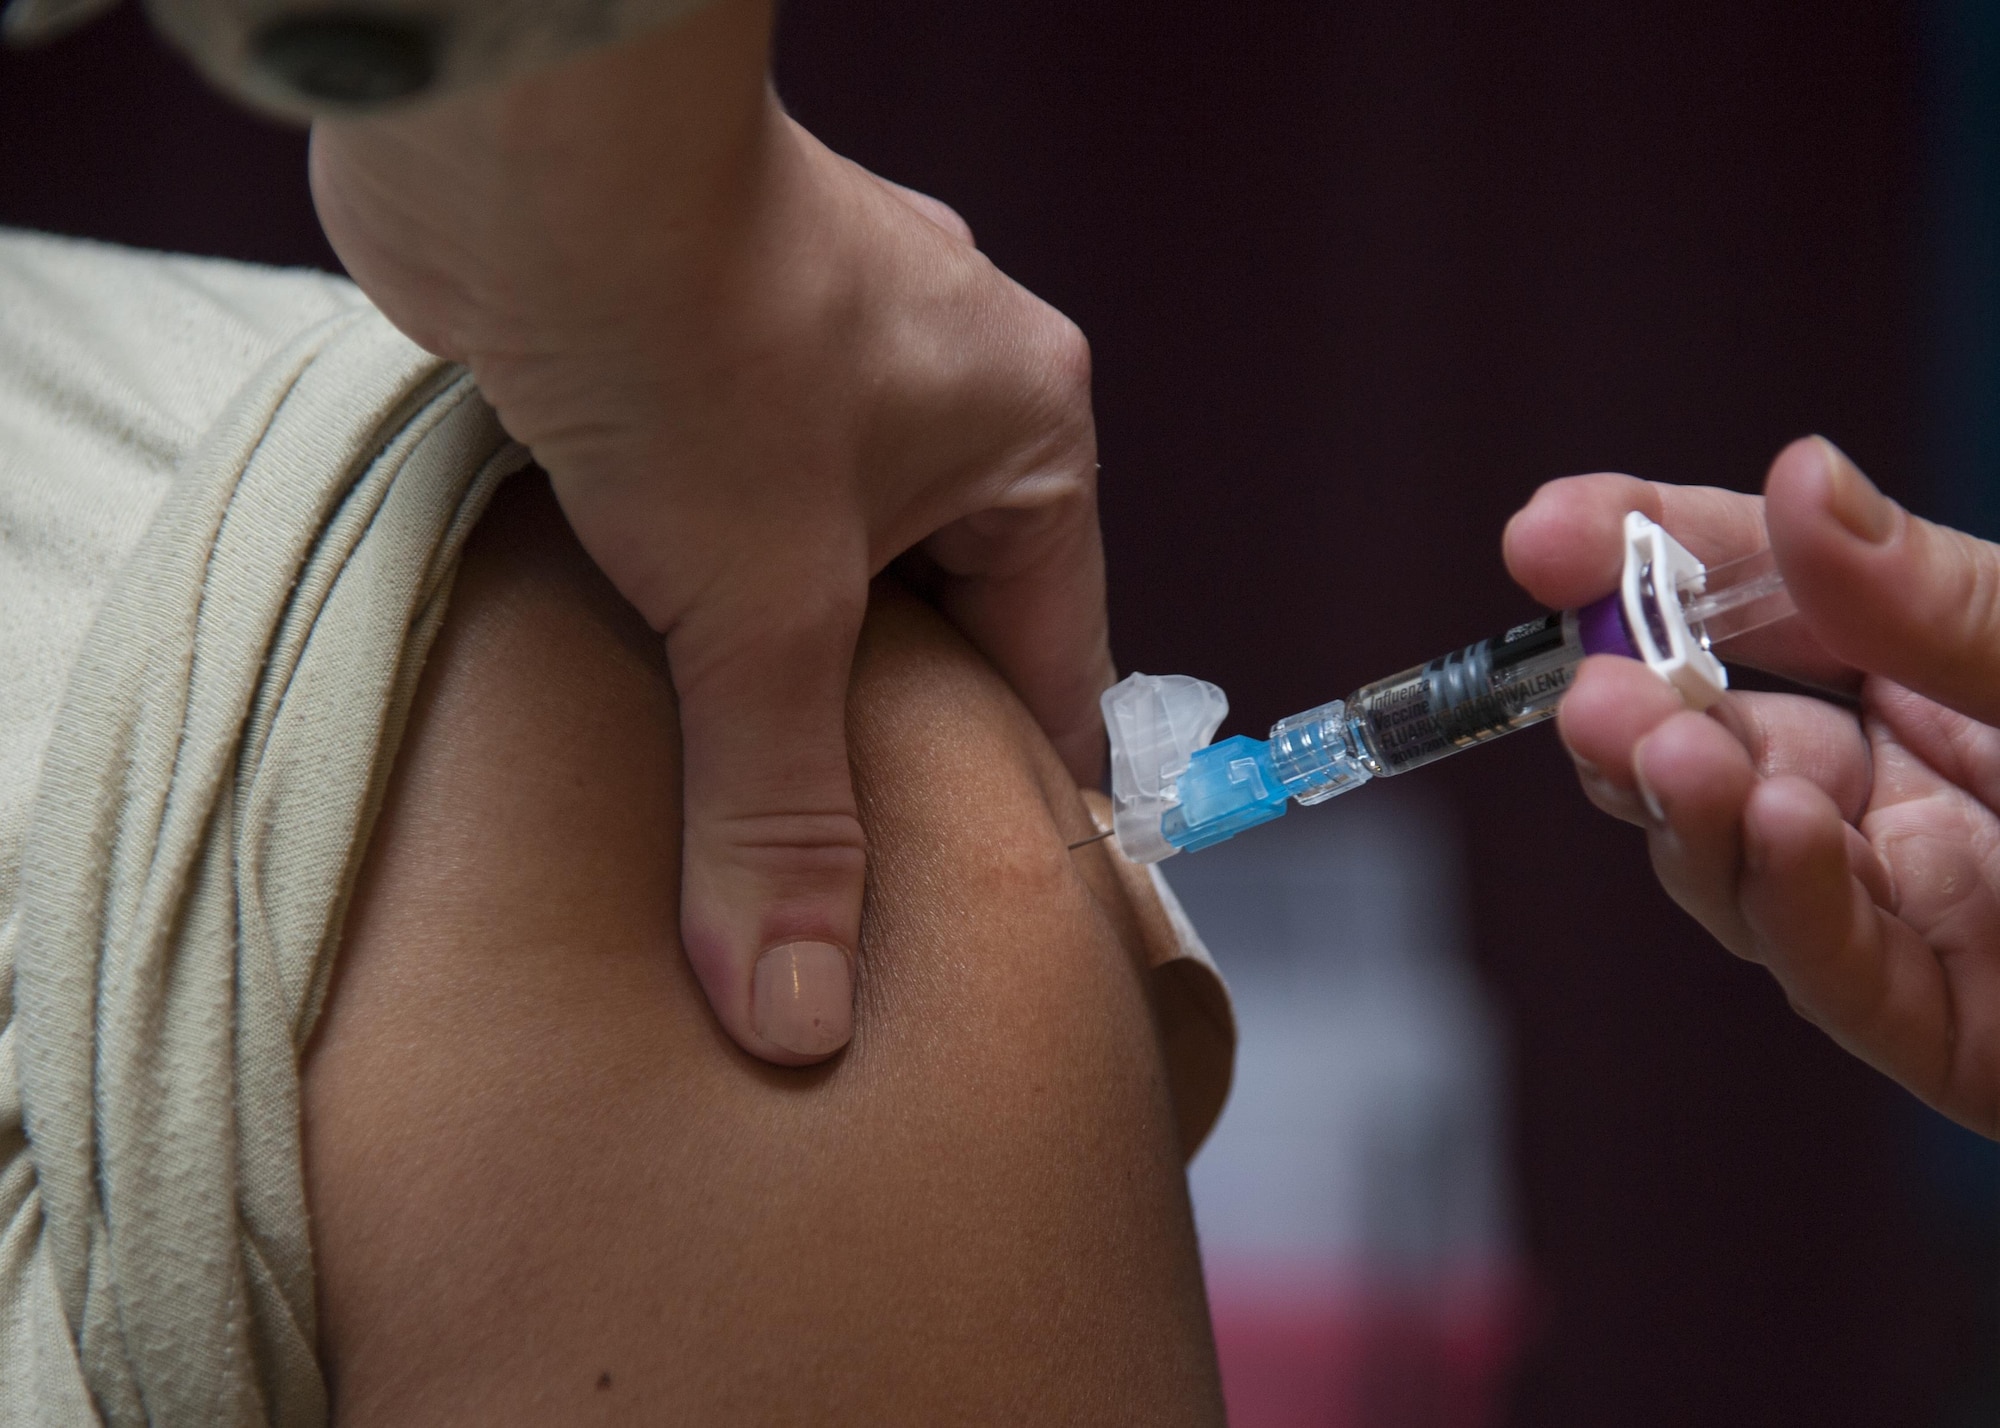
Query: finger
pixel 1791 735
pixel 1613 704
pixel 1027 587
pixel 1849 966
pixel 1884 590
pixel 1928 746
pixel 772 858
pixel 1023 574
pixel 1694 777
pixel 1936 845
pixel 1566 547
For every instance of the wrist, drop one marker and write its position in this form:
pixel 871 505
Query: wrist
pixel 305 60
pixel 485 214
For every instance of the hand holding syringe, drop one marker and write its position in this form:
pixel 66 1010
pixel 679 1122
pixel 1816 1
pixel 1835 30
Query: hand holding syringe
pixel 1174 791
pixel 1852 849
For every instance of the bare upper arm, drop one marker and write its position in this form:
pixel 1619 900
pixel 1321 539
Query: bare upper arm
pixel 545 1186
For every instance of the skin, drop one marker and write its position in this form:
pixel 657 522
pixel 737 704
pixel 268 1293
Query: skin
pixel 546 1185
pixel 756 374
pixel 1851 848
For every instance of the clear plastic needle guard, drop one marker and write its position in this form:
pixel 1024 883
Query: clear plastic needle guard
pixel 1173 790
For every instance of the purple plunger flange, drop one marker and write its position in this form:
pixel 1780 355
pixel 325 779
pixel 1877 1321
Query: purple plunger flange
pixel 1600 625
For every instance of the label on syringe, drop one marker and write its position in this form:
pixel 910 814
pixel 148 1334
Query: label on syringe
pixel 1475 694
pixel 1525 641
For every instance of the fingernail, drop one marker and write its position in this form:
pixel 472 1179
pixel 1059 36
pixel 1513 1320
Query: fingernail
pixel 802 998
pixel 1646 794
pixel 1866 512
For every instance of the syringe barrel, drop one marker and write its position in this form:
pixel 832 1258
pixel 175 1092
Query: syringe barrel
pixel 1479 693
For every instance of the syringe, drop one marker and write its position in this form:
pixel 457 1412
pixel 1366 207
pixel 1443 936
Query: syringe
pixel 1175 791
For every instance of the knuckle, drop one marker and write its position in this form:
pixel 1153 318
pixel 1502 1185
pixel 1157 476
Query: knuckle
pixel 952 221
pixel 1058 468
pixel 1976 602
pixel 812 611
pixel 813 832
pixel 803 622
pixel 811 844
pixel 1067 360
pixel 1801 1008
pixel 1059 374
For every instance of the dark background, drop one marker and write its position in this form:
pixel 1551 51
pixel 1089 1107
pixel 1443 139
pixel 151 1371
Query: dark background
pixel 1358 278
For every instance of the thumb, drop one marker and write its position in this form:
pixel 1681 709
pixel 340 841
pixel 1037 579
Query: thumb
pixel 1887 592
pixel 772 853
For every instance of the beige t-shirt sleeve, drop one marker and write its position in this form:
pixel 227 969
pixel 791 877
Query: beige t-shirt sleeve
pixel 231 501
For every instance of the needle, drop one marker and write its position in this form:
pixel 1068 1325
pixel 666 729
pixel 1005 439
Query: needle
pixel 1093 838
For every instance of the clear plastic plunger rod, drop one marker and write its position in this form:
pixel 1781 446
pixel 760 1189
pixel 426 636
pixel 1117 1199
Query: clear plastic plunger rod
pixel 1735 598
